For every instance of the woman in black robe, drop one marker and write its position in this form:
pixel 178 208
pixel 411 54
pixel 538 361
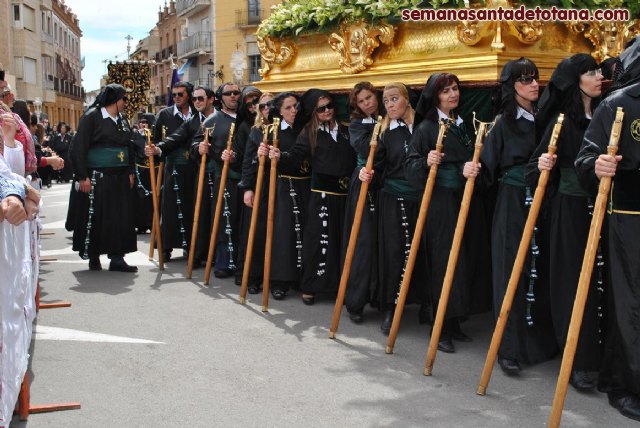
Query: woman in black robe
pixel 103 160
pixel 326 143
pixel 528 336
pixel 574 89
pixel 398 202
pixel 61 144
pixel 363 277
pixel 439 101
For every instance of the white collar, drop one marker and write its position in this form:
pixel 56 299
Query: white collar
pixel 441 115
pixel 232 114
pixel 395 123
pixel 284 125
pixel 523 113
pixel 333 131
pixel 368 120
pixel 177 112
pixel 105 114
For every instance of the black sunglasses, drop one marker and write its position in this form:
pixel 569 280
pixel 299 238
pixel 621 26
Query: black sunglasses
pixel 230 93
pixel 178 94
pixel 526 80
pixel 263 106
pixel 324 108
pixel 200 98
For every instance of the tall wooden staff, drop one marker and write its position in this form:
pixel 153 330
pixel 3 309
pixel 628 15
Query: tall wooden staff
pixel 216 218
pixel 254 220
pixel 585 280
pixel 516 271
pixel 353 237
pixel 415 242
pixel 453 256
pixel 196 213
pixel 152 237
pixel 156 207
pixel 266 276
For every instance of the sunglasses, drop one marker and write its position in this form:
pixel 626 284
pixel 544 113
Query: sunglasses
pixel 230 93
pixel 200 98
pixel 324 108
pixel 527 80
pixel 178 94
pixel 264 106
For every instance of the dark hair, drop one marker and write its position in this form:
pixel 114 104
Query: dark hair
pixel 188 86
pixel 277 101
pixel 516 69
pixel 207 90
pixel 356 112
pixel 21 109
pixel 444 80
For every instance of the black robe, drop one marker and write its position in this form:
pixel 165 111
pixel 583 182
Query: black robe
pixel 61 144
pixel 506 151
pixel 112 228
pixel 332 163
pixel 621 367
pixel 569 221
pixel 142 190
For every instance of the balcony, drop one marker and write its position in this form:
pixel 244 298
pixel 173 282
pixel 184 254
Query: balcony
pixel 200 41
pixel 186 8
pixel 249 17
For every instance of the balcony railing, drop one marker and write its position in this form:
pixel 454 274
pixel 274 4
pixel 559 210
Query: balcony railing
pixel 249 17
pixel 200 41
pixel 185 6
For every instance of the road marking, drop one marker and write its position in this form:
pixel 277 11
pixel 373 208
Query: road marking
pixel 43 332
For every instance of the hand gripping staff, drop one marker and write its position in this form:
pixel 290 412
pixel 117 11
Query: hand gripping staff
pixel 415 242
pixel 516 271
pixel 216 218
pixel 353 237
pixel 156 207
pixel 254 220
pixel 585 280
pixel 152 237
pixel 453 256
pixel 270 212
pixel 196 212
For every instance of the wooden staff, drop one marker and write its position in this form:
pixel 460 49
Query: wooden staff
pixel 585 279
pixel 415 242
pixel 521 256
pixel 266 275
pixel 254 220
pixel 152 238
pixel 196 213
pixel 156 208
pixel 453 256
pixel 353 236
pixel 216 218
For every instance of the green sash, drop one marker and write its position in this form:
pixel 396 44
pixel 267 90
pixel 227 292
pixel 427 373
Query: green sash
pixel 449 176
pixel 514 176
pixel 401 189
pixel 569 184
pixel 108 157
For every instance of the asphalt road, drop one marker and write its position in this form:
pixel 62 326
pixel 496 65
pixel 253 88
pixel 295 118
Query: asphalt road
pixel 154 349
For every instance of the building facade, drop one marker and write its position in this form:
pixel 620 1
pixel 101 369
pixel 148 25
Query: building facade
pixel 169 34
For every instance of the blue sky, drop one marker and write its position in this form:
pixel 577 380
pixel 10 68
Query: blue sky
pixel 104 25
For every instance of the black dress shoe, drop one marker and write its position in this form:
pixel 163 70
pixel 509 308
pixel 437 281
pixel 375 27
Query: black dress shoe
pixel 356 316
pixel 424 315
pixel 308 299
pixel 94 264
pixel 446 345
pixel 387 321
pixel 253 289
pixel 223 273
pixel 166 255
pixel 508 366
pixel 238 280
pixel 581 380
pixel 278 294
pixel 627 404
pixel 460 336
pixel 121 266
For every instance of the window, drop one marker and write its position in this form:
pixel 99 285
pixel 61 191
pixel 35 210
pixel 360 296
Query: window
pixel 28 18
pixel 254 7
pixel 16 13
pixel 254 66
pixel 29 70
pixel 55 30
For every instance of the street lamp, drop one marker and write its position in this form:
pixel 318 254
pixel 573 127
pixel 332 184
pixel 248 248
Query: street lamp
pixel 210 71
pixel 213 73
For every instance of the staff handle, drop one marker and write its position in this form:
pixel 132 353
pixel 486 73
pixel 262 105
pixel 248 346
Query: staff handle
pixel 453 256
pixel 156 207
pixel 584 281
pixel 266 276
pixel 353 236
pixel 216 218
pixel 516 271
pixel 415 242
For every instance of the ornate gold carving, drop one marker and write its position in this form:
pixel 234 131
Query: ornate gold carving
pixel 608 37
pixel 356 42
pixel 274 52
pixel 135 77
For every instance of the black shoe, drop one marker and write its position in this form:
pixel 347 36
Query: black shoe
pixel 627 404
pixel 424 315
pixel 387 321
pixel 166 255
pixel 94 264
pixel 278 294
pixel 254 289
pixel 308 299
pixel 356 316
pixel 508 366
pixel 446 345
pixel 581 380
pixel 460 337
pixel 238 281
pixel 224 273
pixel 121 266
